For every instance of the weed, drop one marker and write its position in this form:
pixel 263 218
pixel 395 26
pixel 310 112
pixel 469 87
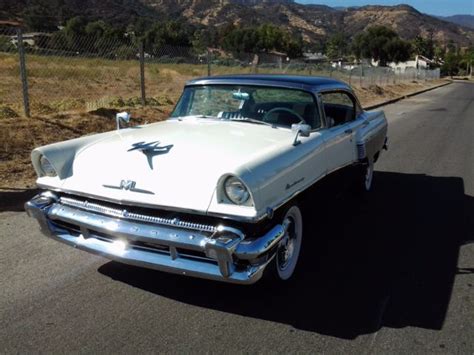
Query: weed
pixel 7 112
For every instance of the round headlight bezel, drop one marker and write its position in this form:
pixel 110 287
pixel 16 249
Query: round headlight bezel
pixel 233 187
pixel 47 168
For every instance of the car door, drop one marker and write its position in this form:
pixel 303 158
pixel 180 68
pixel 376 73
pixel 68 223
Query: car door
pixel 340 109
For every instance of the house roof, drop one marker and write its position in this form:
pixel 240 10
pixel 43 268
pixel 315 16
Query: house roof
pixel 312 83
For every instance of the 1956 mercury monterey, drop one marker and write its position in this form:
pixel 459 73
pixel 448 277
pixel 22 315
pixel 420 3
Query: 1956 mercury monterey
pixel 212 192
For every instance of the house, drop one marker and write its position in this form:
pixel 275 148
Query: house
pixel 342 63
pixel 29 38
pixel 273 57
pixel 420 62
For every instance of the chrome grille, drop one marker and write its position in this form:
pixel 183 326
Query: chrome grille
pixel 122 213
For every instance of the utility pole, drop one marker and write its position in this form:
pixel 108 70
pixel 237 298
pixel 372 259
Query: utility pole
pixel 209 71
pixel 23 75
pixel 142 73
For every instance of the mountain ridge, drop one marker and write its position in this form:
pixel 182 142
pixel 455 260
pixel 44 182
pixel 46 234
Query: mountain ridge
pixel 314 22
pixel 461 20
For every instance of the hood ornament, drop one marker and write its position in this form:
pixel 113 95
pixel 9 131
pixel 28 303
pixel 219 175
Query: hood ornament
pixel 151 150
pixel 128 185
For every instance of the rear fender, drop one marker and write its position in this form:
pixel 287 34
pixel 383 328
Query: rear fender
pixel 370 138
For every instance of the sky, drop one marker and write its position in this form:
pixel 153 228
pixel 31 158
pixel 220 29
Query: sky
pixel 432 7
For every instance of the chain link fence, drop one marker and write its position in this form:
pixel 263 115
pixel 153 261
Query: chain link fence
pixel 63 74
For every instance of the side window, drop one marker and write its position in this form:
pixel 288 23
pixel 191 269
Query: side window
pixel 339 107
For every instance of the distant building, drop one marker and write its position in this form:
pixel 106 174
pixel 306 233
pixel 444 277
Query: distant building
pixel 343 63
pixel 314 57
pixel 29 38
pixel 273 57
pixel 420 62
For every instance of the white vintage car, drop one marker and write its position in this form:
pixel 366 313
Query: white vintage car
pixel 214 191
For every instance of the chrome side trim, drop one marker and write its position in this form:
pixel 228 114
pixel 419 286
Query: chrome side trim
pixel 114 212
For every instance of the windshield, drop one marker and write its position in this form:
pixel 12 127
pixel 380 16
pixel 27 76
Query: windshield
pixel 278 106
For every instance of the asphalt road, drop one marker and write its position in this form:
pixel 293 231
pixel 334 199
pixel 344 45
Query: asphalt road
pixel 393 272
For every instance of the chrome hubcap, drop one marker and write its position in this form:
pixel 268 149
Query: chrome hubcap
pixel 369 172
pixel 287 245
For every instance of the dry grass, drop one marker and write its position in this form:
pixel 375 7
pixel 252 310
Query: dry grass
pixel 73 97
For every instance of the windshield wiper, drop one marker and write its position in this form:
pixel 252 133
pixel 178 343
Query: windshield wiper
pixel 206 116
pixel 197 116
pixel 250 120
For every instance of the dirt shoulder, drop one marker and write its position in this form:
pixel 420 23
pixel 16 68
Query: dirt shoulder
pixel 19 136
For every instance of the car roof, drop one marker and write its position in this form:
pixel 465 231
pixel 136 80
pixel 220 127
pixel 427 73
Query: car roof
pixel 311 83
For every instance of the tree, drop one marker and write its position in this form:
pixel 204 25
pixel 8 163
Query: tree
pixel 205 38
pixel 264 38
pixel 75 27
pixel 424 46
pixel 467 61
pixel 38 18
pixel 337 46
pixel 381 44
pixel 451 64
pixel 398 50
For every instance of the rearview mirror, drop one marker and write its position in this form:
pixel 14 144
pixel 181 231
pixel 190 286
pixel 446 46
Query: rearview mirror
pixel 241 96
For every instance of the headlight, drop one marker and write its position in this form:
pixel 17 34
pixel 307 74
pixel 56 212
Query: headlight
pixel 236 191
pixel 47 167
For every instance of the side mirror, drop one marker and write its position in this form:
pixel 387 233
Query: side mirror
pixel 301 129
pixel 122 116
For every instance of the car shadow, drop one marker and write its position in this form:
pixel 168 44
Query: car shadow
pixel 13 200
pixel 384 260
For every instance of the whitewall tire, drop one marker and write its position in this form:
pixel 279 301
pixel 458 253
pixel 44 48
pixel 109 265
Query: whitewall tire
pixel 287 254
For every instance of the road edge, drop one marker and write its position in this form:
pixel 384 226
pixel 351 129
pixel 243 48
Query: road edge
pixel 392 101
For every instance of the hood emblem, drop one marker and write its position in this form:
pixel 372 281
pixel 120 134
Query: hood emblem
pixel 128 185
pixel 151 150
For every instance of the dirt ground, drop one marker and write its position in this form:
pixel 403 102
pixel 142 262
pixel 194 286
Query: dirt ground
pixel 18 136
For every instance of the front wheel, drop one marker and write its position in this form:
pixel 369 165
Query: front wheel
pixel 283 265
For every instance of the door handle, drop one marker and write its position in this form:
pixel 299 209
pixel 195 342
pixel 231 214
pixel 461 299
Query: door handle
pixel 348 131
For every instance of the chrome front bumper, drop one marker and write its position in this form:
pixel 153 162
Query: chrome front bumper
pixel 217 253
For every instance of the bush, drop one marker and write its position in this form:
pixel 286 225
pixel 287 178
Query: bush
pixel 6 44
pixel 7 112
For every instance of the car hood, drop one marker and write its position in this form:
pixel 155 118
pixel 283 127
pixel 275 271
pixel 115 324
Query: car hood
pixel 172 163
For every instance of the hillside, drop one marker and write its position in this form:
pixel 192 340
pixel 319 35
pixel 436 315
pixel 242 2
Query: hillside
pixel 408 23
pixel 462 20
pixel 314 22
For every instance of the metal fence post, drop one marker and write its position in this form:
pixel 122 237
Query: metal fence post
pixel 24 78
pixel 209 71
pixel 142 73
pixel 361 73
